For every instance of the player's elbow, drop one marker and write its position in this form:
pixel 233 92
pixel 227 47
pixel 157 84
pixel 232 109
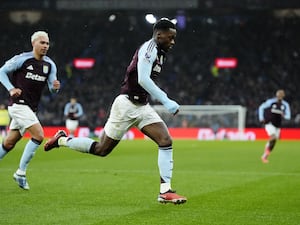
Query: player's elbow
pixel 141 82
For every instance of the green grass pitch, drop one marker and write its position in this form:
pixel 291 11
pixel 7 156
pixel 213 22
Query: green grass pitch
pixel 225 183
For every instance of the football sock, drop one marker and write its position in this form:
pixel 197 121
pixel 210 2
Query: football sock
pixel 81 144
pixel 164 187
pixel 62 141
pixel 3 152
pixel 165 165
pixel 28 153
pixel 21 172
pixel 267 151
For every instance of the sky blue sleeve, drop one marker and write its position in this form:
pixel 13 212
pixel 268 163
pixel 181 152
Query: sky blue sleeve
pixel 66 109
pixel 8 68
pixel 144 67
pixel 80 110
pixel 287 113
pixel 262 108
pixel 52 76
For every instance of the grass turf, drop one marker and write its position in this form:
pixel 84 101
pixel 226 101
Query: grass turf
pixel 225 183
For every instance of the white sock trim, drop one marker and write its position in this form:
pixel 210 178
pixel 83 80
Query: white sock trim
pixel 21 172
pixel 62 141
pixel 164 187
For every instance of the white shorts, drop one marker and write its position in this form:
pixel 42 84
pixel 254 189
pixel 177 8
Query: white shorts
pixel 72 124
pixel 124 115
pixel 22 117
pixel 272 130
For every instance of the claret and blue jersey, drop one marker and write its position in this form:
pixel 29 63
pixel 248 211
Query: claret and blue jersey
pixel 30 75
pixel 273 110
pixel 144 68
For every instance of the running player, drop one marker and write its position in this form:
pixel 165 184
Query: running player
pixel 131 108
pixel 270 113
pixel 25 76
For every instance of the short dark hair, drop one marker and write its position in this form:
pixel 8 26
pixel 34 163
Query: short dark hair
pixel 164 24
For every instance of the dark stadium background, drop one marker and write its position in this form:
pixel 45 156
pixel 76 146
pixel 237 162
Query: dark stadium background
pixel 263 35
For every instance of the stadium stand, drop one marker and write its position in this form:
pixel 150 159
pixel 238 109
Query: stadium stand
pixel 267 48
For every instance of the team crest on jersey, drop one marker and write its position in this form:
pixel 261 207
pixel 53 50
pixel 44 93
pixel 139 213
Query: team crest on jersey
pixel 45 69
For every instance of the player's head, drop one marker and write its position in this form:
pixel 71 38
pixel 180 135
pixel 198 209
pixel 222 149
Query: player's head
pixel 280 94
pixel 164 33
pixel 40 43
pixel 73 100
pixel 36 35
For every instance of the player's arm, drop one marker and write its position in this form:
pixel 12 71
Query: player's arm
pixel 80 110
pixel 66 109
pixel 53 83
pixel 287 112
pixel 261 110
pixel 8 68
pixel 144 68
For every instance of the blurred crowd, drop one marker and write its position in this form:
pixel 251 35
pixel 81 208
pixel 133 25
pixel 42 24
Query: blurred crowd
pixel 267 49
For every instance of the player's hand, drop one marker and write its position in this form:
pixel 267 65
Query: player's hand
pixel 15 92
pixel 172 106
pixel 56 84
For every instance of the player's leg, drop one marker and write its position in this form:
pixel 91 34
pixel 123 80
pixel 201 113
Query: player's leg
pixel 3 132
pixel 37 135
pixel 116 126
pixel 82 144
pixel 9 142
pixel 159 133
pixel 272 133
pixel 24 119
pixel 71 126
pixel 105 146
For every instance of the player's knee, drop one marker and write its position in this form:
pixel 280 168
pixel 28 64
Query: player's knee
pixel 7 145
pixel 39 137
pixel 273 137
pixel 165 141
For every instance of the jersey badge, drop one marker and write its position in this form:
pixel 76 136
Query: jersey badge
pixel 45 69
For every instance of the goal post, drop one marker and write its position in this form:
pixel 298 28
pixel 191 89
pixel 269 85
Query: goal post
pixel 212 116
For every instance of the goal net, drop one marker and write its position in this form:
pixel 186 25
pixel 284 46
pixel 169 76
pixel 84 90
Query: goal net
pixel 206 116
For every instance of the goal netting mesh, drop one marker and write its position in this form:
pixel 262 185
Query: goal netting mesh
pixel 205 116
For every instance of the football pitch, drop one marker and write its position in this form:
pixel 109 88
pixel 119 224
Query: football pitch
pixel 225 183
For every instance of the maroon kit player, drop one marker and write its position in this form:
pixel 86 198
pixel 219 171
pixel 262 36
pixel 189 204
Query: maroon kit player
pixel 132 109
